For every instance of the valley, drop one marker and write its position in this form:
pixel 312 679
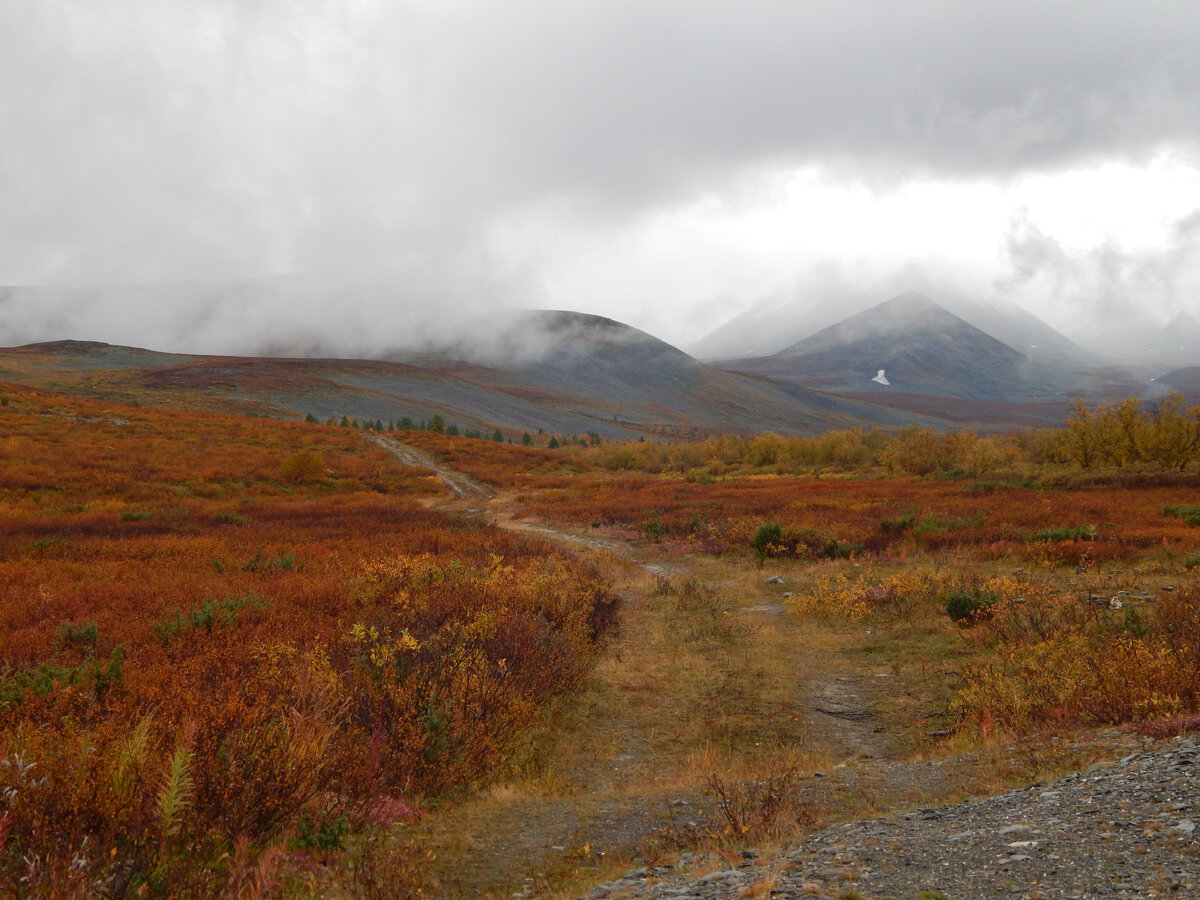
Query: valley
pixel 572 374
pixel 599 451
pixel 406 662
pixel 529 610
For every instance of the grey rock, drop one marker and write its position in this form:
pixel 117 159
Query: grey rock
pixel 1114 831
pixel 1015 829
pixel 727 875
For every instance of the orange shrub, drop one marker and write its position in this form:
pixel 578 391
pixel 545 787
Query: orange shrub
pixel 886 516
pixel 1068 660
pixel 191 681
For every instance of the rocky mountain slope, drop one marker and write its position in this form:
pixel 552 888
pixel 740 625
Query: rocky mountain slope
pixel 571 373
pixel 921 347
pixel 564 373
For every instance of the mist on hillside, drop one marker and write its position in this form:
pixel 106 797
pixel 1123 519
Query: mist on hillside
pixel 1150 341
pixel 293 317
pixel 523 338
pixel 280 316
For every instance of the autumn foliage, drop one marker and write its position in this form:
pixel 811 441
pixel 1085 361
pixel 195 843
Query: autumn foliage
pixel 232 646
pixel 228 643
pixel 930 526
pixel 917 525
pixel 1082 658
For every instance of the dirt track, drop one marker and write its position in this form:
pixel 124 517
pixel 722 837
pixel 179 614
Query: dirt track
pixel 612 791
pixel 604 800
pixel 462 485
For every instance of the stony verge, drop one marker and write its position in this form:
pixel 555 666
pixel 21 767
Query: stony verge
pixel 1121 829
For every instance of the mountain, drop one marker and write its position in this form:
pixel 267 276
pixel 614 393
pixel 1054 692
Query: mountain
pixel 923 349
pixel 562 372
pixel 771 327
pixel 1151 344
pixel 1186 381
pixel 1025 332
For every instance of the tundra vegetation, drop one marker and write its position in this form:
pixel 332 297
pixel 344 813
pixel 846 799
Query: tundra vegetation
pixel 244 657
pixel 229 644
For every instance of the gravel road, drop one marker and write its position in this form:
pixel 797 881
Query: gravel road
pixel 1121 829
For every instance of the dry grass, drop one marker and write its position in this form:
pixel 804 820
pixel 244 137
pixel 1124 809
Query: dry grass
pixel 707 718
pixel 699 687
pixel 698 725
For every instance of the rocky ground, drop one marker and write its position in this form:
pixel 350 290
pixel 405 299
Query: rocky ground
pixel 1119 829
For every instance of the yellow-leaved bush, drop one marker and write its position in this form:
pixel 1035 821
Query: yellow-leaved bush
pixel 1071 660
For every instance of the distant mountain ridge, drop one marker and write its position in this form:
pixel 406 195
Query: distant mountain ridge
pixel 922 347
pixel 561 372
pixel 766 329
pixel 573 373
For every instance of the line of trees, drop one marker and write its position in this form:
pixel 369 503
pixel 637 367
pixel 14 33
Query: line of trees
pixel 1166 435
pixel 1163 435
pixel 437 424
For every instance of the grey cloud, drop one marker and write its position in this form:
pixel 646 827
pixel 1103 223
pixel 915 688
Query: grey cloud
pixel 150 141
pixel 1033 253
pixel 626 99
pixel 283 315
pixel 1121 299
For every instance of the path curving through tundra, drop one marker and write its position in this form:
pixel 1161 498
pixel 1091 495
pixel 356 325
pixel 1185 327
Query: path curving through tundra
pixel 462 485
pixel 606 799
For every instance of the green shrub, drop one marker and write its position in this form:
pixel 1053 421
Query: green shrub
pixel 772 539
pixel 964 605
pixel 653 527
pixel 1055 535
pixel 930 524
pixel 80 633
pixel 987 487
pixel 321 834
pixel 44 678
pixel 1189 514
pixel 768 534
pixel 209 613
pixel 285 562
pixel 897 525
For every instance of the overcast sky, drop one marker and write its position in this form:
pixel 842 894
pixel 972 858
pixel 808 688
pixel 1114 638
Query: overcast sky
pixel 668 164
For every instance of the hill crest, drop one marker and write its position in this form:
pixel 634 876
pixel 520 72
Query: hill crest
pixel 922 347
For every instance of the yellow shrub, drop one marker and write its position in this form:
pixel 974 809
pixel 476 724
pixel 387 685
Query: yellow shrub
pixel 856 597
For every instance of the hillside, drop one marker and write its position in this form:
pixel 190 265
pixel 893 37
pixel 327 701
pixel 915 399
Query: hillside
pixel 1185 381
pixel 922 348
pixel 558 372
pixel 771 327
pixel 356 661
pixel 570 373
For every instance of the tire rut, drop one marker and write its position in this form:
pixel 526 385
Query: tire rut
pixel 511 846
pixel 462 485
